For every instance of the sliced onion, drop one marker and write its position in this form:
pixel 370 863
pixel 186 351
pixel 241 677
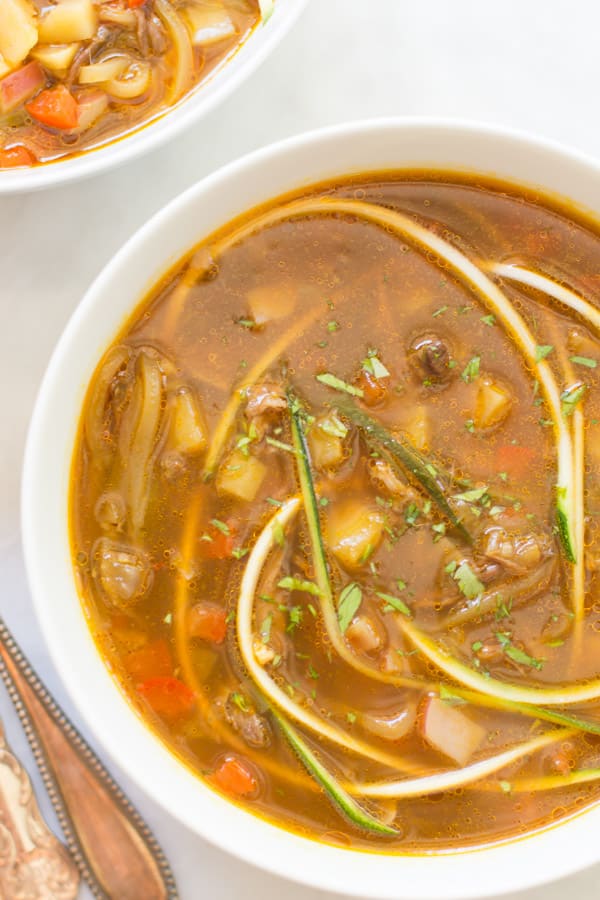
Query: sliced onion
pixel 105 70
pixel 184 56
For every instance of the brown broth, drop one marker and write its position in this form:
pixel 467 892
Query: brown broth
pixel 369 290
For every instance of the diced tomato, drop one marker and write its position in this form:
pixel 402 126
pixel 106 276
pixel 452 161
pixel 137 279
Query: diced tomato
pixel 169 697
pixel 133 4
pixel 20 85
pixel 150 661
pixel 235 777
pixel 374 389
pixel 11 157
pixel 221 543
pixel 55 107
pixel 514 459
pixel 208 622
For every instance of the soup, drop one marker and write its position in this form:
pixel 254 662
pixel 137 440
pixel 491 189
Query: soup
pixel 75 75
pixel 334 512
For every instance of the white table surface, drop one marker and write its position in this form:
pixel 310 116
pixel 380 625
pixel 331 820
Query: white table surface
pixel 531 64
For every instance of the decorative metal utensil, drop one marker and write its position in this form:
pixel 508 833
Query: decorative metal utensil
pixel 110 844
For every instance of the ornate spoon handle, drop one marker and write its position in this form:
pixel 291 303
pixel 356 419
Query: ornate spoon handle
pixel 112 846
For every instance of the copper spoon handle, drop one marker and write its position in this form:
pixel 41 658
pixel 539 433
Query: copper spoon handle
pixel 112 846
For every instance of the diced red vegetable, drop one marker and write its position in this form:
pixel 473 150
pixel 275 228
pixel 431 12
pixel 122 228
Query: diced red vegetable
pixel 12 157
pixel 90 106
pixel 133 4
pixel 55 107
pixel 169 697
pixel 450 731
pixel 20 85
pixel 221 543
pixel 150 661
pixel 514 459
pixel 235 777
pixel 208 622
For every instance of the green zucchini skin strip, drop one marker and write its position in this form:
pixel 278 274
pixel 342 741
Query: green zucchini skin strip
pixel 544 782
pixel 334 790
pixel 407 456
pixel 458 671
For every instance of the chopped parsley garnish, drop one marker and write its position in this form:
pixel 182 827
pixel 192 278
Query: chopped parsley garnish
pixel 571 397
pixel 351 717
pixel 241 702
pixel 471 370
pixel 333 326
pixel 470 425
pixel 584 361
pixel 312 672
pixel 348 604
pixel 516 654
pixel 439 312
pixel 473 495
pixel 337 384
pixel 246 323
pixel 334 426
pixel 298 584
pixel 489 320
pixel 223 527
pixel 411 513
pixel 394 603
pixel 447 696
pixel 295 614
pixel 239 552
pixel 505 786
pixel 374 365
pixel 542 351
pixel 468 582
pixel 273 442
pixel 274 502
pixel 278 534
pixel 265 628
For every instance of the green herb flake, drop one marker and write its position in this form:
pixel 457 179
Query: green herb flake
pixel 280 445
pixel 265 628
pixel 489 320
pixel 571 397
pixel 351 717
pixel 295 615
pixel 468 582
pixel 323 501
pixel 400 584
pixel 584 361
pixel 451 567
pixel 337 384
pixel 394 603
pixel 334 426
pixel 246 323
pixel 439 312
pixel 542 351
pixel 516 654
pixel 241 702
pixel 449 697
pixel 505 786
pixel 473 495
pixel 471 370
pixel 476 646
pixel 411 513
pixel 298 584
pixel 470 425
pixel 374 365
pixel 274 502
pixel 223 527
pixel 278 533
pixel 348 604
pixel 312 672
pixel 168 618
pixel 239 552
pixel 333 326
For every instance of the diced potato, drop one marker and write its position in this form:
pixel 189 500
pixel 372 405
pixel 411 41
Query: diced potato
pixel 240 476
pixel 354 529
pixel 363 635
pixel 18 31
pixel 103 71
pixel 91 105
pixel 69 20
pixel 417 428
pixel 209 23
pixel 270 302
pixel 325 443
pixel 55 57
pixel 4 67
pixel 189 433
pixel 492 405
pixel 450 731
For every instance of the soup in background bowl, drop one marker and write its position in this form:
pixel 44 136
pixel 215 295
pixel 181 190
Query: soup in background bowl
pixel 77 77
pixel 327 500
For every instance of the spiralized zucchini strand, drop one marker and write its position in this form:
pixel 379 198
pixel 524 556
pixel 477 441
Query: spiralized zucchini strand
pixel 542 782
pixel 459 671
pixel 261 677
pixel 491 295
pixel 448 781
pixel 580 305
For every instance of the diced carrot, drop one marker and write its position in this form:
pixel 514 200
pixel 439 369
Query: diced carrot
pixel 169 697
pixel 374 389
pixel 150 661
pixel 55 107
pixel 514 459
pixel 12 157
pixel 235 777
pixel 208 622
pixel 20 85
pixel 221 543
pixel 133 4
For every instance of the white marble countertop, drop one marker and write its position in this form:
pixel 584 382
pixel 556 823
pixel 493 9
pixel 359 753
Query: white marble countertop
pixel 531 64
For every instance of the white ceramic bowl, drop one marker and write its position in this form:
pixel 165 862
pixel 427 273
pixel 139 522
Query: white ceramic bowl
pixel 168 126
pixel 242 185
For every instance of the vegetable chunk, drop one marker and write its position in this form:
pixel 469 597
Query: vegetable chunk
pixel 450 731
pixel 240 476
pixel 354 530
pixel 18 31
pixel 69 20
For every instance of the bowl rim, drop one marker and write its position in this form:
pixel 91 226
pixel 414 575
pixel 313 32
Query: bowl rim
pixel 167 125
pixel 270 847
